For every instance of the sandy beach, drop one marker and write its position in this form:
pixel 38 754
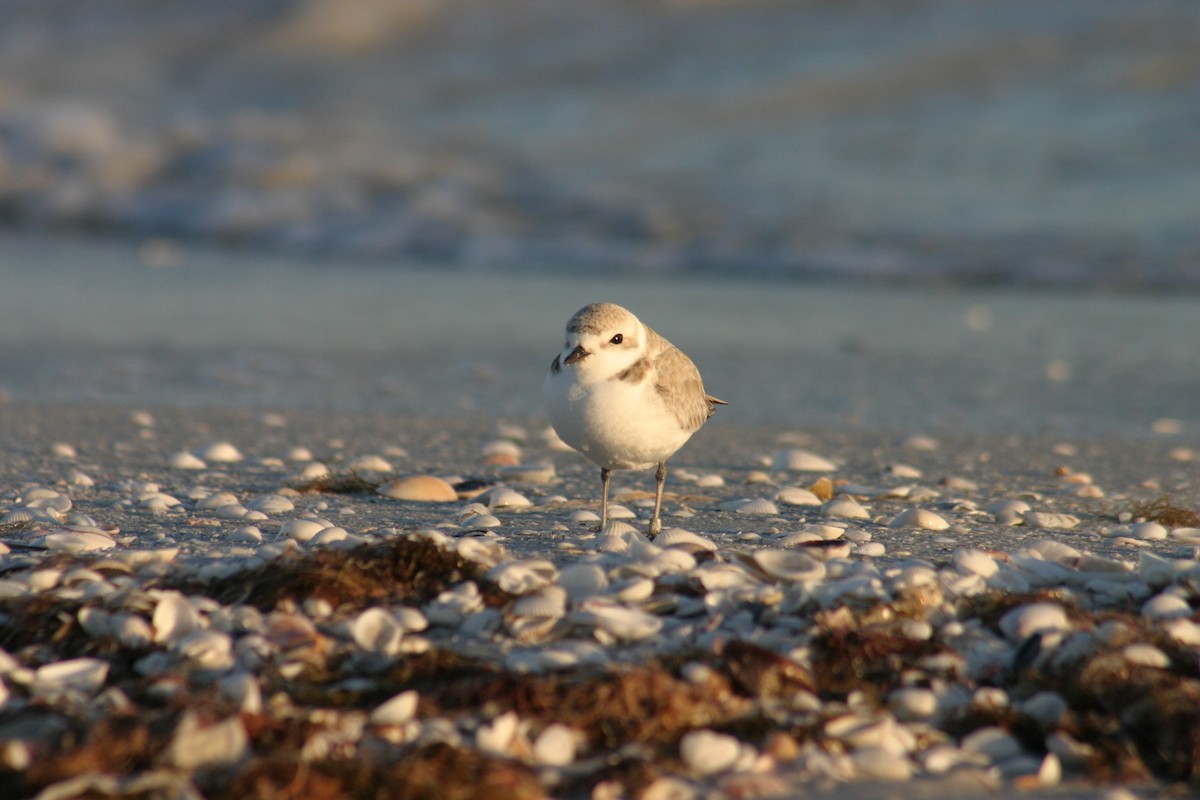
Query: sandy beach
pixel 967 480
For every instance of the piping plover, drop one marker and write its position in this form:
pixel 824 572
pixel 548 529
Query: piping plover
pixel 624 396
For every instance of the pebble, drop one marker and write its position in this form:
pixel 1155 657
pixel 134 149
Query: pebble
pixel 419 489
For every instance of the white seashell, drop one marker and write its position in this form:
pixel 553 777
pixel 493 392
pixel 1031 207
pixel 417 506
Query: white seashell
pixel 207 649
pixel 498 735
pixel 79 478
pixel 554 746
pixel 678 537
pixel 583 580
pixel 52 502
pixel 271 504
pixel 95 621
pixel 80 674
pixel 527 473
pixel 247 535
pixel 1165 607
pixel 797 496
pixel 583 516
pixel 789 565
pixel 186 460
pixel 794 459
pixel 710 481
pixel 195 746
pixel 313 471
pixel 521 577
pixel 871 549
pixel 976 562
pixel 1184 631
pixel 706 752
pixel 1008 512
pixel 143 419
pixel 1146 655
pixel 1149 531
pixel 1049 520
pixel 631 590
pixel 485 521
pixel 216 500
pixel 911 703
pixel 880 764
pixel 63 450
pixel 995 743
pixel 222 452
pixel 624 624
pixel 301 530
pixel 132 630
pixel 30 516
pixel 844 507
pixel 501 447
pixel 550 602
pixel 377 630
pixel 1020 623
pixel 906 471
pixel 175 617
pixel 617 511
pixel 504 498
pixel 69 541
pixel 231 511
pixel 368 463
pixel 758 507
pixel 330 535
pixel 918 518
pixel 244 690
pixel 398 710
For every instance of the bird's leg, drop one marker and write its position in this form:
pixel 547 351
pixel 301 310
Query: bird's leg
pixel 605 474
pixel 660 475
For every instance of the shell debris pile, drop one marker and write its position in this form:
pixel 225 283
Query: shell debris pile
pixel 217 631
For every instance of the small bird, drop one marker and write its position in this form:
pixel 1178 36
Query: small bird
pixel 624 396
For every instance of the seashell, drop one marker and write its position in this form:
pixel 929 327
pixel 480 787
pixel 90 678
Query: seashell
pixel 96 622
pixel 377 630
pixel 222 452
pixel 55 502
pixel 186 460
pixel 797 496
pixel 195 746
pixel 63 450
pixel 132 631
pixel 398 710
pixel 844 507
pixel 244 690
pixel 794 459
pixel 207 649
pixel 247 535
pixel 231 511
pixel 330 535
pixel 313 471
pixel 914 704
pixel 79 478
pixel 30 517
pixel 522 577
pixel 368 463
pixel 583 580
pixel 69 541
pixel 143 419
pixel 503 498
pixel 1008 512
pixel 156 502
pixel 757 507
pixel 992 742
pixel 79 674
pixel 271 504
pixel 678 537
pixel 920 441
pixel 1082 490
pixel 906 471
pixel 216 500
pixel 1049 520
pixel 485 521
pixel 789 565
pixel 175 616
pixel 1184 631
pixel 1020 623
pixel 975 561
pixel 618 511
pixel 498 735
pixel 631 590
pixel 1146 655
pixel 620 623
pixel 705 752
pixel 1166 607
pixel 527 473
pixel 419 488
pixel 712 481
pixel 554 746
pixel 583 516
pixel 1149 531
pixel 880 764
pixel 918 518
pixel 450 607
pixel 501 447
pixel 301 530
pixel 549 602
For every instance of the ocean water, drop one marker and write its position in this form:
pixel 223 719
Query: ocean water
pixel 89 320
pixel 969 142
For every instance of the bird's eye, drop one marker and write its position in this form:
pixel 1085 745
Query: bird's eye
pixel 617 339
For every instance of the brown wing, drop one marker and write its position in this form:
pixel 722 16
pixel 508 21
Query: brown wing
pixel 679 385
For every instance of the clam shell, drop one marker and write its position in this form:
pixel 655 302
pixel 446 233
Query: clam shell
pixel 197 746
pixel 581 581
pixel 554 746
pixel 81 674
pixel 271 504
pixel 217 500
pixel 788 565
pixel 797 496
pixel 419 489
pixel 844 507
pixel 301 530
pixel 919 518
pixel 377 630
pixel 503 498
pixel 222 452
pixel 619 622
pixel 522 577
pixel 706 752
pixel 175 616
pixel 368 463
pixel 1049 520
pixel 207 649
pixel 795 459
pixel 678 537
pixel 68 541
pixel 186 460
pixel 549 602
pixel 1024 621
pixel 396 711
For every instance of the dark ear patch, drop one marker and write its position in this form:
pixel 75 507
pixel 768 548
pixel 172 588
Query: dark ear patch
pixel 636 372
pixel 555 366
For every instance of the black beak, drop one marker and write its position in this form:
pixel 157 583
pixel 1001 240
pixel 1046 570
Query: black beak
pixel 578 354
